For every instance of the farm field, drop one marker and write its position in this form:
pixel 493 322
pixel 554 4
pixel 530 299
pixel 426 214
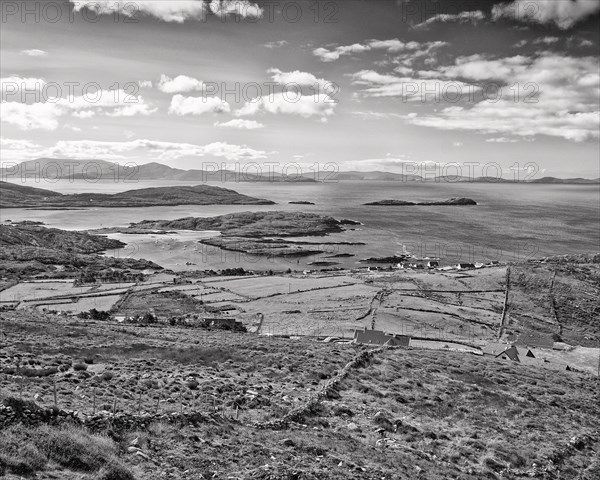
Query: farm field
pixel 41 290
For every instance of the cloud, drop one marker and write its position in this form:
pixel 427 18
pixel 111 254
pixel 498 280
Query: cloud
pixel 176 11
pixel 13 87
pixel 240 124
pixel 332 55
pixel 84 114
pixel 30 117
pixel 17 144
pixel 34 52
pixel 132 110
pixel 410 88
pixel 129 150
pixel 45 115
pixel 303 79
pixel 277 44
pixel 306 106
pixel 181 105
pixel 546 40
pixel 502 140
pixel 550 94
pixel 12 150
pixel 390 46
pixel 179 84
pixel 241 8
pixel 473 17
pixel 564 14
pixel 479 68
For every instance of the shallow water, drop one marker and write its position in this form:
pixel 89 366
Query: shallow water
pixel 510 222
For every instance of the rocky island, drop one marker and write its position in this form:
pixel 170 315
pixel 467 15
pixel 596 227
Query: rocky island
pixel 20 196
pixel 452 201
pixel 257 233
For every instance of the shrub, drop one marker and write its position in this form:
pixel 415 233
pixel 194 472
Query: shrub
pixel 80 367
pixel 17 454
pixel 75 448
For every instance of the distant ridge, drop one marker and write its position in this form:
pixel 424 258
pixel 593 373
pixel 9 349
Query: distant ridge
pixel 571 181
pixel 399 177
pixel 94 170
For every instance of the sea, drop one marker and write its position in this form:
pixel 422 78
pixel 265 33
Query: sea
pixel 511 222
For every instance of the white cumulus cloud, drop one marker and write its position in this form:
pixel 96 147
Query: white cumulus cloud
pixel 179 84
pixel 242 8
pixel 390 46
pixel 181 105
pixel 562 13
pixel 303 79
pixel 306 106
pixel 176 11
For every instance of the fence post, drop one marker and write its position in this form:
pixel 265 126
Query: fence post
pixel 94 402
pixel 115 404
pixel 55 396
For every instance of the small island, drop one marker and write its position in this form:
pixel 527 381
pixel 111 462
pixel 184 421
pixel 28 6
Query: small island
pixel 452 201
pixel 301 202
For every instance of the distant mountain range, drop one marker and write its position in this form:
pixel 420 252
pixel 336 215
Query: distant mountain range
pixel 51 168
pixel 399 177
pixel 92 170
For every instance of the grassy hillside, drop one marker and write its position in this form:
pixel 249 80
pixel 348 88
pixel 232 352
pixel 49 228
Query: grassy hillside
pixel 346 414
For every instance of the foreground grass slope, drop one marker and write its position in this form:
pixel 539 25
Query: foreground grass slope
pixel 402 414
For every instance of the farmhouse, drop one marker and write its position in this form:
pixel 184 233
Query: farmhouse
pixel 433 264
pixel 502 350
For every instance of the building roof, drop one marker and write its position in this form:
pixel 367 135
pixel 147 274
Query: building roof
pixel 535 340
pixel 398 341
pixel 377 337
pixel 525 352
pixel 495 348
pixel 511 353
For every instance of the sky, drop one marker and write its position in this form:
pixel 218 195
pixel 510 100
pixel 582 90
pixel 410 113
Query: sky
pixel 394 85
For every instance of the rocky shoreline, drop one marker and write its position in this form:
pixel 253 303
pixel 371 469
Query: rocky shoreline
pixel 397 203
